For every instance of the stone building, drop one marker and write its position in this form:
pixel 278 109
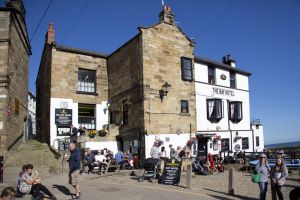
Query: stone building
pixel 152 88
pixel 71 89
pixel 158 58
pixel 14 64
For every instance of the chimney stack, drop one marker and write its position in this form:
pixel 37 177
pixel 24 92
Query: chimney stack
pixel 228 60
pixel 166 15
pixel 50 35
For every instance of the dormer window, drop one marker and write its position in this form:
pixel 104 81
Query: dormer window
pixel 235 111
pixel 214 110
pixel 211 75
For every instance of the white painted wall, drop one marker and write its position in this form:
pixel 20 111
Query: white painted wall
pixel 32 112
pixel 260 133
pixel 205 91
pixel 174 139
pixel 101 117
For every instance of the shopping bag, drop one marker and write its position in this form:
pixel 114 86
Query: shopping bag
pixel 255 177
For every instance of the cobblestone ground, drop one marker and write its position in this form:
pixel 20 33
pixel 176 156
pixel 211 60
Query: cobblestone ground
pixel 216 185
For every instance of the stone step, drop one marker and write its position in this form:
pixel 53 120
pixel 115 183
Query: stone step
pixel 37 153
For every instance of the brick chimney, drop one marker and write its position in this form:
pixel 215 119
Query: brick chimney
pixel 166 15
pixel 50 35
pixel 228 60
pixel 16 4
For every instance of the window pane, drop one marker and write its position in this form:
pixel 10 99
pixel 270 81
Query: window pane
pixel 184 106
pixel 186 69
pixel 235 111
pixel 211 75
pixel 245 143
pixel 86 80
pixel 214 110
pixel 232 80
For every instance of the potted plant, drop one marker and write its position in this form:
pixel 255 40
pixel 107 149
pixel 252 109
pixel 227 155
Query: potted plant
pixel 102 133
pixel 92 133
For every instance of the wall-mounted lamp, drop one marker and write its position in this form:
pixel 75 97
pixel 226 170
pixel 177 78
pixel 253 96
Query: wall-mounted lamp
pixel 164 90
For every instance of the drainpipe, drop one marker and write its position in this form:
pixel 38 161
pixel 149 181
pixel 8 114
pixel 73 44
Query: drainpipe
pixel 229 126
pixel 252 137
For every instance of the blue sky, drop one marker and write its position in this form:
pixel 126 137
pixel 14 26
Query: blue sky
pixel 263 36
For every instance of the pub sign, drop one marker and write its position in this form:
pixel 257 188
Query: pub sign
pixel 63 117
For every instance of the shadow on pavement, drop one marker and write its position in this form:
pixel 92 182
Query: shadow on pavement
pixel 62 189
pixel 237 196
pixel 219 197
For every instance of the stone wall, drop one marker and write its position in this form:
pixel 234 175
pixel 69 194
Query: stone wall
pixel 163 46
pixel 43 95
pixel 64 76
pixel 125 85
pixel 14 65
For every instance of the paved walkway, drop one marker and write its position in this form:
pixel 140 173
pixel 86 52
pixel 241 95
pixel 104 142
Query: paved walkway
pixel 94 186
pixel 124 187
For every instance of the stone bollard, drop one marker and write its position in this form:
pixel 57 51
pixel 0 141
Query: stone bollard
pixel 230 183
pixel 189 176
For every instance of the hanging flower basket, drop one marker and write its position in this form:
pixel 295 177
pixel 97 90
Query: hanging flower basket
pixel 217 137
pixel 236 138
pixel 159 142
pixel 102 133
pixel 191 141
pixel 92 133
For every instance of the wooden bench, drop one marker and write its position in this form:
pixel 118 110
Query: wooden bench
pixel 112 164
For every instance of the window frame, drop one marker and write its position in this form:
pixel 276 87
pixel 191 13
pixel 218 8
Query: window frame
pixel 244 146
pixel 185 68
pixel 232 79
pixel 82 72
pixel 211 77
pixel 225 146
pixel 238 110
pixel 257 141
pixel 83 120
pixel 182 108
pixel 214 117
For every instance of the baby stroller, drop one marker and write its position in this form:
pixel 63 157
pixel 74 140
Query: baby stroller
pixel 151 166
pixel 199 169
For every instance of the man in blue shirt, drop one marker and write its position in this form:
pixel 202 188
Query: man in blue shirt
pixel 120 158
pixel 74 166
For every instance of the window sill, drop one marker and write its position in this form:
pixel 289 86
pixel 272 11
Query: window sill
pixel 185 114
pixel 87 93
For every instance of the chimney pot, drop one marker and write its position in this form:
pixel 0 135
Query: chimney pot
pixel 50 35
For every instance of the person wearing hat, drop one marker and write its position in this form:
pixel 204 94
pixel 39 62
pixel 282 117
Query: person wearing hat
pixel 264 169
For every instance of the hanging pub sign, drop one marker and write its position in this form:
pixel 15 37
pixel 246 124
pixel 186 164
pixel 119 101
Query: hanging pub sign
pixel 171 173
pixel 63 117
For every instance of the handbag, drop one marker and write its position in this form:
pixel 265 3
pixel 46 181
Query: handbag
pixel 255 177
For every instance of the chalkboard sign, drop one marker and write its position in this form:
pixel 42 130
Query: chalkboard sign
pixel 171 173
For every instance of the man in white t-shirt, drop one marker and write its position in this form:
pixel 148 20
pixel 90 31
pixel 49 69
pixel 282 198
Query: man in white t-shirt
pixel 101 160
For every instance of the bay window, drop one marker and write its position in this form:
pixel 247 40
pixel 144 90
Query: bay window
pixel 214 110
pixel 235 111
